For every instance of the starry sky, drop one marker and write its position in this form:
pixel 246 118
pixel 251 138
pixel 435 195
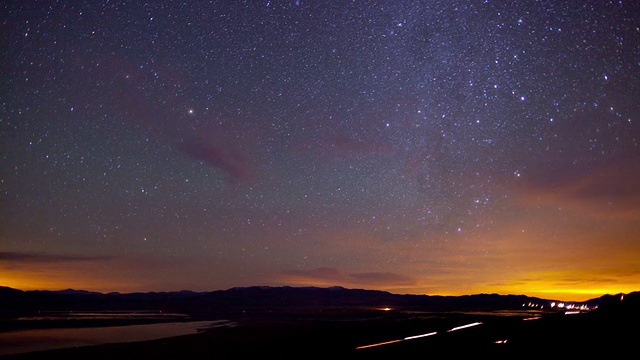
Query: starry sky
pixel 419 147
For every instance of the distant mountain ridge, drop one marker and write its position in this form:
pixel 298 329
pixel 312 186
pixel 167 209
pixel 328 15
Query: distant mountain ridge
pixel 237 300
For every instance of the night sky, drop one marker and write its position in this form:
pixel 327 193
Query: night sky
pixel 418 147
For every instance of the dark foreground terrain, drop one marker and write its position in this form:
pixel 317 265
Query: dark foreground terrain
pixel 341 323
pixel 553 335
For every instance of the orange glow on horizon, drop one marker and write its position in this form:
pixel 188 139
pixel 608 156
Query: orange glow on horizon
pixel 543 284
pixel 59 280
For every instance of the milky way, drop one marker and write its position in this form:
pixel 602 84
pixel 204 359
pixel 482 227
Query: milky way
pixel 441 147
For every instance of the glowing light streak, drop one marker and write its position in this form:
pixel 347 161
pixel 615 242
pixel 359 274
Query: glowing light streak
pixel 420 336
pixel 395 341
pixel 378 344
pixel 417 336
pixel 464 326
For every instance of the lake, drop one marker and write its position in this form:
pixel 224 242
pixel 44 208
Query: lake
pixel 23 341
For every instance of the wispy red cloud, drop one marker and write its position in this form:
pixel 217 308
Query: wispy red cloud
pixel 166 115
pixel 332 276
pixel 231 161
pixel 30 257
pixel 609 189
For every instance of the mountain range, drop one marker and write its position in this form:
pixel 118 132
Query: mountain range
pixel 16 303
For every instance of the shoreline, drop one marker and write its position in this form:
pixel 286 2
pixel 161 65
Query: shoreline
pixel 76 334
pixel 497 336
pixel 288 335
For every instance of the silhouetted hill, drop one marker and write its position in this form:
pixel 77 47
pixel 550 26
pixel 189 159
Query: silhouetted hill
pixel 264 299
pixel 311 322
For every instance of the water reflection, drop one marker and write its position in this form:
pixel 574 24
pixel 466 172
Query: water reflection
pixel 22 341
pixel 92 315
